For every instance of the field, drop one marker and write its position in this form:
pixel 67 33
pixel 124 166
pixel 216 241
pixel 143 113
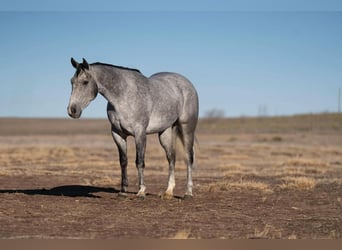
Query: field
pixel 255 178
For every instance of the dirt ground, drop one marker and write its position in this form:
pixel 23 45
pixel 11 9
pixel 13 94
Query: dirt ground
pixel 254 179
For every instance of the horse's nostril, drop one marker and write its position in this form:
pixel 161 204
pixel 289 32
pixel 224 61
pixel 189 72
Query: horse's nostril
pixel 73 109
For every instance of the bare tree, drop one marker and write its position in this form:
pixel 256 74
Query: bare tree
pixel 339 101
pixel 262 110
pixel 214 113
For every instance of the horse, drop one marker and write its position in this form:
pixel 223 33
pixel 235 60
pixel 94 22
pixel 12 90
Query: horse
pixel 164 103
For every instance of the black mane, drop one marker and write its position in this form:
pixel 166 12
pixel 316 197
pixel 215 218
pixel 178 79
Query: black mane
pixel 116 66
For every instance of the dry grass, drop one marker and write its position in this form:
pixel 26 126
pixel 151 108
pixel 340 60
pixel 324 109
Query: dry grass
pixel 106 181
pixel 302 162
pixel 268 232
pixel 309 122
pixel 255 164
pixel 292 237
pixel 230 162
pixel 234 169
pixel 242 185
pixel 54 160
pixel 266 168
pixel 304 167
pixel 298 183
pixel 182 235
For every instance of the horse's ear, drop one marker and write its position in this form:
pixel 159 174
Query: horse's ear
pixel 74 63
pixel 85 64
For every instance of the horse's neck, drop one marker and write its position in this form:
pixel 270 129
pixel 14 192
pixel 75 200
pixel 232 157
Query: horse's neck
pixel 105 82
pixel 114 84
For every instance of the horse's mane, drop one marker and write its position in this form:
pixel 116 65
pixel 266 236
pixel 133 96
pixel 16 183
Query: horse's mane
pixel 115 66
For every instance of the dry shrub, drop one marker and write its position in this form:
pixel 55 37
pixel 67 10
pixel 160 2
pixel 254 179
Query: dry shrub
pixel 277 138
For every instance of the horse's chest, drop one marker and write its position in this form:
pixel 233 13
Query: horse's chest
pixel 118 123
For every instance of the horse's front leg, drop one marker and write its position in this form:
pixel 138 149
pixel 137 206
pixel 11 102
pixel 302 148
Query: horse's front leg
pixel 140 143
pixel 122 147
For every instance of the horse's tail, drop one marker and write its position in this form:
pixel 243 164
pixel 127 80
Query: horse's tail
pixel 186 151
pixel 196 149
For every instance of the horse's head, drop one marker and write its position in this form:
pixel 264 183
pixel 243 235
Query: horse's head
pixel 84 89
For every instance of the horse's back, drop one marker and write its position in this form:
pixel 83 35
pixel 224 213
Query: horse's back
pixel 172 80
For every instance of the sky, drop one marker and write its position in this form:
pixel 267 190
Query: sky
pixel 281 60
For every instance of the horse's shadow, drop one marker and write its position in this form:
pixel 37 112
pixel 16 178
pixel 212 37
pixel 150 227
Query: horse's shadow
pixel 68 190
pixel 72 191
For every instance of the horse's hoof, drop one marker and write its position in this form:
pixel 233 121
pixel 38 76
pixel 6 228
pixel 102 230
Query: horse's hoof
pixel 141 197
pixel 167 196
pixel 187 197
pixel 122 195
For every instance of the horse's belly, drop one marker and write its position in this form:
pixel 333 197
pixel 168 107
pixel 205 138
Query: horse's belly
pixel 159 124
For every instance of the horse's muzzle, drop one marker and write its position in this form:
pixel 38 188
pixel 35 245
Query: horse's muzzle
pixel 74 111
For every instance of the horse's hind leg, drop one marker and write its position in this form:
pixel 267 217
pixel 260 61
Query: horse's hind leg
pixel 188 137
pixel 140 144
pixel 167 139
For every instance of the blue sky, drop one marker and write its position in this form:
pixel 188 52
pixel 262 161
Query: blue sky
pixel 288 61
pixel 175 5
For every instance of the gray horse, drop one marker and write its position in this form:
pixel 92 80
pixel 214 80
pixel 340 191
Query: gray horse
pixel 165 103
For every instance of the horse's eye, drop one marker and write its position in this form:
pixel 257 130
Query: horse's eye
pixel 85 82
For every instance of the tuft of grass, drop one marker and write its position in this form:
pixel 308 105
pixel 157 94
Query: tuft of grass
pixel 292 237
pixel 233 169
pixel 299 166
pixel 268 232
pixel 242 184
pixel 182 234
pixel 104 181
pixel 299 183
pixel 305 162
